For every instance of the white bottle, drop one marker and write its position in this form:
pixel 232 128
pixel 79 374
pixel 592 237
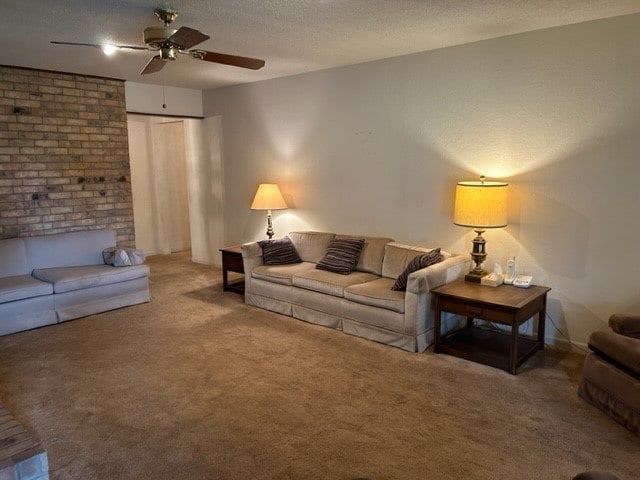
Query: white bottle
pixel 511 271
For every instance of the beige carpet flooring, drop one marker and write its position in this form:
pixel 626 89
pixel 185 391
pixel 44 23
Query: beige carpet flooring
pixel 197 385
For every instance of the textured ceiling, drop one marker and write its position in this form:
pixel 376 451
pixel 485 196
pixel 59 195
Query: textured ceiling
pixel 293 36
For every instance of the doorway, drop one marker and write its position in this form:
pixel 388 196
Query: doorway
pixel 159 184
pixel 177 187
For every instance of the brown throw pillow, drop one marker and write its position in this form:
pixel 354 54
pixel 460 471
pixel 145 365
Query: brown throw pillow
pixel 279 252
pixel 342 255
pixel 421 261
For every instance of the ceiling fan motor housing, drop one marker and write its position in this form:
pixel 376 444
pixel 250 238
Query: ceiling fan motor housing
pixel 157 35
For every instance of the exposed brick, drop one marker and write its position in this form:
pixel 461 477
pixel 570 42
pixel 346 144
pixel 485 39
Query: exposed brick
pixel 54 129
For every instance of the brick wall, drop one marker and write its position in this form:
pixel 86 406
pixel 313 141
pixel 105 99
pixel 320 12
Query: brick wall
pixel 64 155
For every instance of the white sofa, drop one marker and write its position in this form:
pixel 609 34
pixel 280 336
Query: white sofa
pixel 54 278
pixel 361 303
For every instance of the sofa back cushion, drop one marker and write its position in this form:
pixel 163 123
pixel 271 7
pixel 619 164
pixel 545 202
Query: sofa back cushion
pixel 372 253
pixel 13 258
pixel 311 246
pixel 72 249
pixel 397 256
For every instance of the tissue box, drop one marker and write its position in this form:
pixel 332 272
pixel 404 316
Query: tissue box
pixel 492 280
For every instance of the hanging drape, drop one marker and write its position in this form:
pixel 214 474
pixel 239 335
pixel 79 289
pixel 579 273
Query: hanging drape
pixel 177 185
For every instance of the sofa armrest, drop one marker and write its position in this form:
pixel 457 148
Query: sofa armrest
pixel 251 258
pixel 418 313
pixel 625 324
pixel 622 350
pixel 449 270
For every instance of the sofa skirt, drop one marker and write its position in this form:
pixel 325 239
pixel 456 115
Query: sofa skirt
pixel 26 314
pixel 611 390
pixel 88 301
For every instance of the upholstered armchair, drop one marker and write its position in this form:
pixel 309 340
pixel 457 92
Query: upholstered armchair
pixel 611 377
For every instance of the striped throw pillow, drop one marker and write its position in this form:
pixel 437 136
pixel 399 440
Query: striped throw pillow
pixel 421 261
pixel 342 255
pixel 279 252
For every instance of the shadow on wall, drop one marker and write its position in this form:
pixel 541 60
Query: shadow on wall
pixel 559 240
pixel 576 204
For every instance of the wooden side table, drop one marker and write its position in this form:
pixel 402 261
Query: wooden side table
pixel 506 305
pixel 232 262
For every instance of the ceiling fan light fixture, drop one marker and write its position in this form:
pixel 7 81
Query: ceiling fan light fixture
pixel 168 53
pixel 108 49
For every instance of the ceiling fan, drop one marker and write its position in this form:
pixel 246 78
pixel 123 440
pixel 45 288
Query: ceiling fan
pixel 169 42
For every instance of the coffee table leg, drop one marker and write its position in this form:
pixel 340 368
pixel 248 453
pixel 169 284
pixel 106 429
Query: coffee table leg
pixel 436 325
pixel 225 279
pixel 542 318
pixel 513 353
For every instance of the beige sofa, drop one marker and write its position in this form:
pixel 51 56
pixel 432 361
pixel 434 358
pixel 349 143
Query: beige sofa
pixel 361 303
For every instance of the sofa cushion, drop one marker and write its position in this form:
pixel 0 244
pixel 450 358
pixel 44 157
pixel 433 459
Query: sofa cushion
pixel 13 258
pixel 68 249
pixel 420 261
pixel 397 256
pixel 311 245
pixel 341 255
pixel 66 279
pixel 329 282
pixel 372 253
pixel 377 293
pixel 279 252
pixel 22 286
pixel 281 274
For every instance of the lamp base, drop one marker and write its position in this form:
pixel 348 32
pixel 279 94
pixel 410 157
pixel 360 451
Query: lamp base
pixel 474 277
pixel 478 255
pixel 269 225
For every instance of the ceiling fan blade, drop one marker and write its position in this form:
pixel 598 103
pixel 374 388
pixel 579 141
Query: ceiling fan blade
pixel 154 65
pixel 76 43
pixel 234 60
pixel 186 38
pixel 132 47
pixel 126 47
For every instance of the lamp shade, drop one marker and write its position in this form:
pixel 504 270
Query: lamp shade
pixel 268 197
pixel 481 204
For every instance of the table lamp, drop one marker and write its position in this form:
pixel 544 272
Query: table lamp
pixel 480 205
pixel 268 197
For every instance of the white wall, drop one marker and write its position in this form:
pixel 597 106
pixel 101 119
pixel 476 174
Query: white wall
pixel 377 148
pixel 145 98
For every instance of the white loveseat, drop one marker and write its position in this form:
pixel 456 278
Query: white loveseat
pixel 361 303
pixel 54 278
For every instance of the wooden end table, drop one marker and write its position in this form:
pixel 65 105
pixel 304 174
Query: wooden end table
pixel 232 262
pixel 506 305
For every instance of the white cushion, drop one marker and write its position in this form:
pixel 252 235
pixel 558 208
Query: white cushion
pixel 13 258
pixel 329 282
pixel 397 256
pixel 372 253
pixel 21 287
pixel 311 246
pixel 281 274
pixel 377 293
pixel 67 279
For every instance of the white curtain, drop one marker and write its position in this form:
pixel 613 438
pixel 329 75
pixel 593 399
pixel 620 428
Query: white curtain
pixel 203 139
pixel 176 184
